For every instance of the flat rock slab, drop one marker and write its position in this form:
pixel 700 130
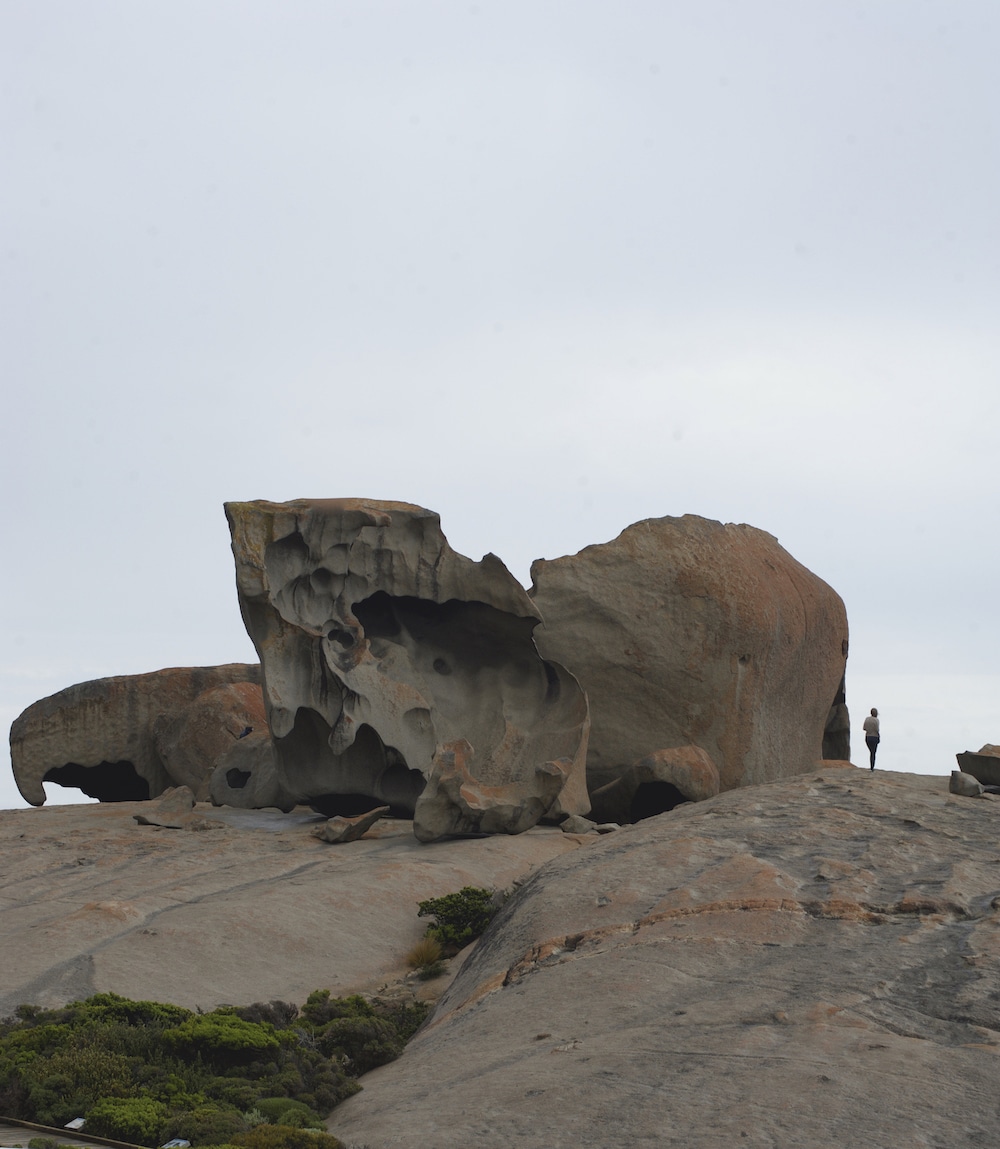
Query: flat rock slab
pixel 252 908
pixel 811 962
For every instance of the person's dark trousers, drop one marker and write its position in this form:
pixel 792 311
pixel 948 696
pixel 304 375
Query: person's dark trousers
pixel 872 747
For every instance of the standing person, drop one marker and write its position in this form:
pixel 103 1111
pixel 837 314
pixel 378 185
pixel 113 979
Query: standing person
pixel 871 734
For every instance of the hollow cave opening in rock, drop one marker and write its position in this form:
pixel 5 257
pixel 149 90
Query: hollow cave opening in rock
pixel 236 778
pixel 107 781
pixel 653 798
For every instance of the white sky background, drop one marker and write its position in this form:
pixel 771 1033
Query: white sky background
pixel 547 268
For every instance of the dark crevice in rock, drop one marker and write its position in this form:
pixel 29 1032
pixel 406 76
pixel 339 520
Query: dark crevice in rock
pixel 652 798
pixel 107 781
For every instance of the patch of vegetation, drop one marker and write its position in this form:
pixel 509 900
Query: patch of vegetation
pixel 256 1077
pixel 426 958
pixel 459 918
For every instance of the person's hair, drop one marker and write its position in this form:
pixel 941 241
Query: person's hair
pixel 874 712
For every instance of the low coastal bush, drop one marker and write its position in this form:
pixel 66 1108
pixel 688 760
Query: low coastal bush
pixel 136 1119
pixel 284 1137
pixel 459 918
pixel 145 1072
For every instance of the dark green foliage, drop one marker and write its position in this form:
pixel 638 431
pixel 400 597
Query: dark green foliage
pixel 136 1119
pixel 222 1038
pixel 49 1143
pixel 280 1014
pixel 284 1137
pixel 145 1072
pixel 321 1008
pixel 203 1125
pixel 406 1017
pixel 364 1041
pixel 285 1111
pixel 458 918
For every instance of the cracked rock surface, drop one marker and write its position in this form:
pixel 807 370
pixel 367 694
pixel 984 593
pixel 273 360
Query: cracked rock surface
pixel 235 907
pixel 810 962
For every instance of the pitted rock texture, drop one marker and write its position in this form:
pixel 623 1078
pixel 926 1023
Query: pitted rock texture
pixel 811 962
pixel 131 737
pixel 688 631
pixel 384 651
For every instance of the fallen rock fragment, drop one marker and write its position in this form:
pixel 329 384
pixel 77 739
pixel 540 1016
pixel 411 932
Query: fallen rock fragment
pixel 964 784
pixel 175 811
pixel 339 829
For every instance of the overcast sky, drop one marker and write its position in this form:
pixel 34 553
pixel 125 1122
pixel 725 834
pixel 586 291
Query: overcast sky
pixel 547 268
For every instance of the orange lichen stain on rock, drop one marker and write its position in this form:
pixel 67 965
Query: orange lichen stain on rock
pixel 120 911
pixel 844 909
pixel 742 882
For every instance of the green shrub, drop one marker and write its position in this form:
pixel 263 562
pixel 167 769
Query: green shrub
pixel 136 1119
pixel 141 1071
pixel 68 1081
pixel 238 1092
pixel 321 1008
pixel 365 1041
pixel 285 1137
pixel 286 1111
pixel 458 918
pixel 109 1007
pixel 407 1017
pixel 205 1125
pixel 221 1038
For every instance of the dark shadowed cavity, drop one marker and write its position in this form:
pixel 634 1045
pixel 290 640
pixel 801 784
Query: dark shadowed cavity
pixel 107 782
pixel 653 798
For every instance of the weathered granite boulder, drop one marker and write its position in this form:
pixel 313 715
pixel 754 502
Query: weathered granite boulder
pixel 964 784
pixel 131 737
pixel 657 783
pixel 383 650
pixel 246 776
pixel 686 631
pixel 983 765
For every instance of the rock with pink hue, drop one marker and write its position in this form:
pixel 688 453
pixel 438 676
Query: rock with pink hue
pixel 811 962
pixel 685 631
pixel 382 648
pixel 131 737
pixel 658 782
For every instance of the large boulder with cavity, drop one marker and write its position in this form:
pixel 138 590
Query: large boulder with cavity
pixel 399 672
pixel 131 737
pixel 656 783
pixel 685 631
